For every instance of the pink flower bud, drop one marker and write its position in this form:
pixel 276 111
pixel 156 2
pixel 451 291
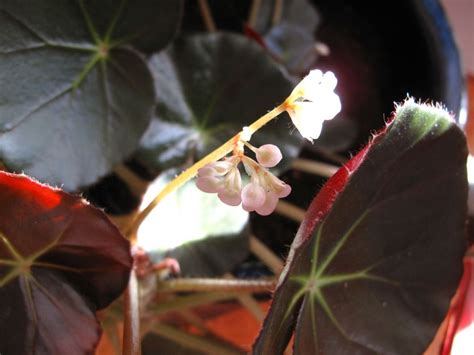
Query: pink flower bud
pixel 271 201
pixel 229 197
pixel 253 196
pixel 268 155
pixel 209 184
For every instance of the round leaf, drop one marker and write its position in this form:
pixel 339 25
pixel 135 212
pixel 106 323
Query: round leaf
pixel 75 97
pixel 381 246
pixel 60 261
pixel 209 87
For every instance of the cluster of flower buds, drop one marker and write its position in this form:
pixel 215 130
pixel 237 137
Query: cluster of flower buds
pixel 260 194
pixel 310 103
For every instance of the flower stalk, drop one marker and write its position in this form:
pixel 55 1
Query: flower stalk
pixel 192 171
pixel 310 103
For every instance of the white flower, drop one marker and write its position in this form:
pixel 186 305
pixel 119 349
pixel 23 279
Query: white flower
pixel 313 102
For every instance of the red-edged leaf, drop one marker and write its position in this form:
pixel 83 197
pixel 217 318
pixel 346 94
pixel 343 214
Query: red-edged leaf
pixel 60 261
pixel 249 32
pixel 375 263
pixel 460 327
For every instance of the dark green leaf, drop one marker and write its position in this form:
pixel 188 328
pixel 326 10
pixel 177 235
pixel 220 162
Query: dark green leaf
pixel 60 261
pixel 379 255
pixel 299 13
pixel 207 237
pixel 209 87
pixel 76 96
pixel 293 46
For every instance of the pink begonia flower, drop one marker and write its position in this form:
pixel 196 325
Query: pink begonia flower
pixel 222 177
pixel 273 187
pixel 253 197
pixel 315 102
pixel 268 155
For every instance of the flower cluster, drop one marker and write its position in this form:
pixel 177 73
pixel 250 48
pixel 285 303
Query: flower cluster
pixel 262 192
pixel 312 102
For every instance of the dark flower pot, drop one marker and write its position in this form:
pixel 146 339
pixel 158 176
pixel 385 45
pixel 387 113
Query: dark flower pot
pixel 381 52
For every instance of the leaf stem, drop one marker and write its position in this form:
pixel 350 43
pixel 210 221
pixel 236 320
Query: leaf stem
pixel 207 15
pixel 254 10
pixel 277 12
pixel 216 285
pixel 131 327
pixel 315 167
pixel 189 173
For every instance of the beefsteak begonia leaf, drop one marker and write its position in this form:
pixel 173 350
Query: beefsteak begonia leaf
pixel 76 95
pixel 209 87
pixel 60 261
pixel 379 255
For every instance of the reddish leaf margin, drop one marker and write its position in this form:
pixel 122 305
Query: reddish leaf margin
pixel 61 259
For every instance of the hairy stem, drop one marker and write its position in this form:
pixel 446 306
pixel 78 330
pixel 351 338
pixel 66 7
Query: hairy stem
pixel 215 285
pixel 131 327
pixel 315 167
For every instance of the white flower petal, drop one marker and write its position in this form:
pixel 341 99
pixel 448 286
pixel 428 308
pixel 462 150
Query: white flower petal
pixel 308 83
pixel 327 106
pixel 245 135
pixel 305 117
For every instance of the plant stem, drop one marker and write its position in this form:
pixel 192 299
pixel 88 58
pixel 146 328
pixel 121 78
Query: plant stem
pixel 207 16
pixel 131 326
pixel 315 167
pixel 277 12
pixel 265 255
pixel 189 173
pixel 252 21
pixel 215 285
pixel 291 211
pixel 194 300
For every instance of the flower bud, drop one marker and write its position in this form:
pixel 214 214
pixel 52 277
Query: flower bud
pixel 268 155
